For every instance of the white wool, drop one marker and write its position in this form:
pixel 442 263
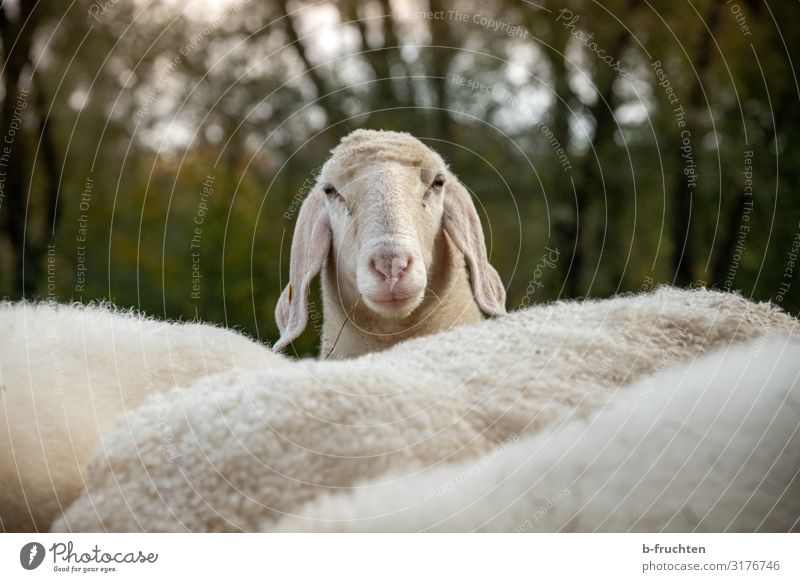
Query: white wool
pixel 67 372
pixel 713 445
pixel 251 447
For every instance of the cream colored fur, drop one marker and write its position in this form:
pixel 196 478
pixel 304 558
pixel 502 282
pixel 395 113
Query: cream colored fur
pixel 384 197
pixel 68 372
pixel 448 303
pixel 250 448
pixel 711 446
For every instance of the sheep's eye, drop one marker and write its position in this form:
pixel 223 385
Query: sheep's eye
pixel 333 194
pixel 438 182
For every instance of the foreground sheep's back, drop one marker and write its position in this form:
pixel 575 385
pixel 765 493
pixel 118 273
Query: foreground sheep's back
pixel 713 445
pixel 244 449
pixel 560 349
pixel 68 372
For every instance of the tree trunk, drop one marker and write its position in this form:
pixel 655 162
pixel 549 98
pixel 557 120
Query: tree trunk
pixel 588 178
pixel 682 201
pixel 440 67
pixel 16 39
pixel 324 97
pixel 36 246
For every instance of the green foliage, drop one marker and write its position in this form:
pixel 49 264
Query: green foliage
pixel 205 129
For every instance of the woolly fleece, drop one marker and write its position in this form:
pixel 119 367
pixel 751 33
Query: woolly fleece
pixel 67 372
pixel 250 447
pixel 711 446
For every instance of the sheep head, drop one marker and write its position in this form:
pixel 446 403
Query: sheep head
pixel 379 204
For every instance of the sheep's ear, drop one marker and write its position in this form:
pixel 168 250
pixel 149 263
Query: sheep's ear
pixel 310 246
pixel 462 223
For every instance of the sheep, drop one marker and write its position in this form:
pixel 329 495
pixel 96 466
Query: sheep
pixel 251 447
pixel 68 372
pixel 389 226
pixel 710 446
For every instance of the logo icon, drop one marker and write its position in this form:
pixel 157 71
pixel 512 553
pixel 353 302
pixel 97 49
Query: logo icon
pixel 31 555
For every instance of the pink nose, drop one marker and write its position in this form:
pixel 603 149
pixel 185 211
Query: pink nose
pixel 390 268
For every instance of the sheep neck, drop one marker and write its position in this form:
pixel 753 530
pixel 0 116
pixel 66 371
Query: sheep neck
pixel 448 302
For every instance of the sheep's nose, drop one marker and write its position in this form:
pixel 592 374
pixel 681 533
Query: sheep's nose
pixel 390 268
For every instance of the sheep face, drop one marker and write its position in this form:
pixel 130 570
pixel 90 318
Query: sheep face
pixel 381 205
pixel 384 220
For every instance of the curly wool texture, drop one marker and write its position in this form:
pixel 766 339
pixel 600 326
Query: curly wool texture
pixel 68 372
pixel 709 446
pixel 252 447
pixel 368 146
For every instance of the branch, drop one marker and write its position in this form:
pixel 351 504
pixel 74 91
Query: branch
pixel 323 91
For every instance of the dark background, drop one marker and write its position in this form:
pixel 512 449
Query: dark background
pixel 115 114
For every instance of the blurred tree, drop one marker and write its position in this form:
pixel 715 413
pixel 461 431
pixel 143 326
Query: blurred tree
pixel 130 115
pixel 17 32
